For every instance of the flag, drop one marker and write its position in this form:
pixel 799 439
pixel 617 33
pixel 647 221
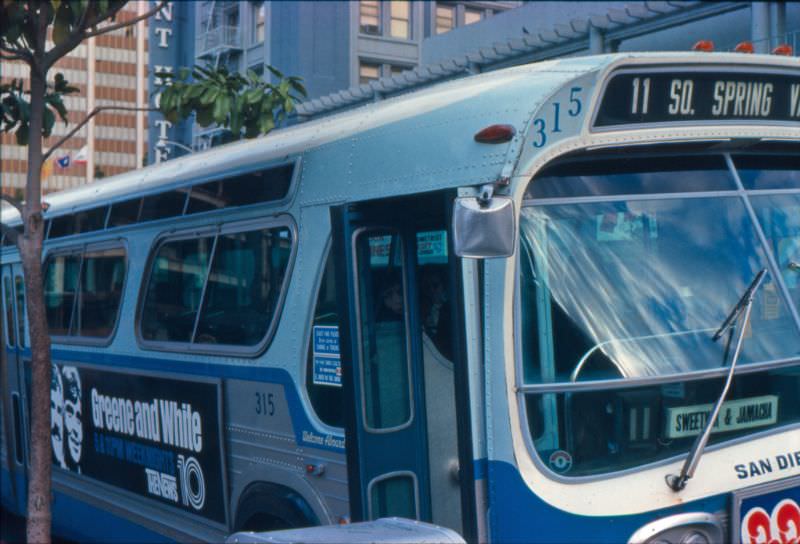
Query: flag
pixel 47 169
pixel 64 162
pixel 82 156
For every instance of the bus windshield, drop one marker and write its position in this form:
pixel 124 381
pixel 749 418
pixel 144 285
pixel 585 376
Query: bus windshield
pixel 630 277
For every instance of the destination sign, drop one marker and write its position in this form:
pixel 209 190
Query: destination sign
pixel 649 97
pixel 734 415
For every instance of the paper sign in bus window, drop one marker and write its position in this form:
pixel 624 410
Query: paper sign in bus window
pixel 327 358
pixel 625 226
pixel 734 415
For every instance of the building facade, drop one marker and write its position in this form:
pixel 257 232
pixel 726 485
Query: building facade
pixel 331 45
pixel 539 31
pixel 105 72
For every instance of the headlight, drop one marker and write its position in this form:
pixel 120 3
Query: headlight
pixel 691 528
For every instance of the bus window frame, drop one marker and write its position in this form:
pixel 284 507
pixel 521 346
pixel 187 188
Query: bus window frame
pixel 282 219
pixel 82 249
pixel 522 390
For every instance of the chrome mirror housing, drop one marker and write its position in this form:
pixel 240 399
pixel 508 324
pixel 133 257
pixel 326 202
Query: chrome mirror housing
pixel 484 229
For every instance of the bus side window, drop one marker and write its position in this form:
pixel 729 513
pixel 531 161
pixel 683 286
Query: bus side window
pixel 62 273
pixel 323 367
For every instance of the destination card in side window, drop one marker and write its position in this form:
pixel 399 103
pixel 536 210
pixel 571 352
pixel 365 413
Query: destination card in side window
pixel 683 421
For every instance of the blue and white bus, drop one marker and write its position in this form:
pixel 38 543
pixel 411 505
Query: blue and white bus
pixel 497 305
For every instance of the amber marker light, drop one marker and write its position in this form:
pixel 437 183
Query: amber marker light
pixel 495 134
pixel 706 46
pixel 745 47
pixel 783 49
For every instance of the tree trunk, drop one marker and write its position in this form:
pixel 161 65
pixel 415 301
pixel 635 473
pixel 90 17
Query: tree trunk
pixel 39 515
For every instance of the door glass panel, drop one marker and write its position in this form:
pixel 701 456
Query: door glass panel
pixel 435 307
pixel 393 496
pixel 9 307
pixel 384 350
pixel 60 288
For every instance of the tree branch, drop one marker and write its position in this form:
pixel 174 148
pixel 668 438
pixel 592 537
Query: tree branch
pixel 123 24
pixel 14 202
pixel 16 54
pixel 11 57
pixel 13 234
pixel 86 119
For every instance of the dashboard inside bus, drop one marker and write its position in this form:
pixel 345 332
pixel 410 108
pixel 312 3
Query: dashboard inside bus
pixel 628 266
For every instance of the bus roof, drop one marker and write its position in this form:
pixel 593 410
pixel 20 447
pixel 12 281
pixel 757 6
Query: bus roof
pixel 419 125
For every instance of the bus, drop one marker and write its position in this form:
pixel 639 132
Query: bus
pixel 514 306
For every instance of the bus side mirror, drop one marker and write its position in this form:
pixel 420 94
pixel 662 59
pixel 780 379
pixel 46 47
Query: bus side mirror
pixel 483 230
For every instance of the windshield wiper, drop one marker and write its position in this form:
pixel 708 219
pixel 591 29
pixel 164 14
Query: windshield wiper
pixel 743 307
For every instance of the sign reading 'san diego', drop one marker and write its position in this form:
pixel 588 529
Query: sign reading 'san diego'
pixel 157 437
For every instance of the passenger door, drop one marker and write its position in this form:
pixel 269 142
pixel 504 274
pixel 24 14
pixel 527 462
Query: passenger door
pixel 14 407
pixel 398 339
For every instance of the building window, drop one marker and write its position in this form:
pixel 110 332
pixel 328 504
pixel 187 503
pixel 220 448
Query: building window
pixel 259 22
pixel 399 15
pixel 395 70
pixel 445 18
pixel 472 16
pixel 370 16
pixel 367 72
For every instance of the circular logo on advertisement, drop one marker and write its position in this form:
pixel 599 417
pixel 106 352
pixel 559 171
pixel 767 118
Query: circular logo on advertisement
pixel 560 461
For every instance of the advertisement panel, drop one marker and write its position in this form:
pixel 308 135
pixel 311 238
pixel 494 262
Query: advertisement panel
pixel 154 436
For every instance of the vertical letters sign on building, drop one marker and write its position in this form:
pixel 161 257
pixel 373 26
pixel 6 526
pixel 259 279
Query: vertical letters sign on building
pixel 166 47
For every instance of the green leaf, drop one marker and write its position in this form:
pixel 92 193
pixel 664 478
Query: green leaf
pixel 253 95
pixel 209 96
pixel 222 106
pixel 60 29
pixel 167 100
pixel 22 134
pixel 236 116
pixel 195 91
pixel 297 86
pixel 274 71
pixel 55 101
pixel 267 123
pixel 48 121
pixel 205 116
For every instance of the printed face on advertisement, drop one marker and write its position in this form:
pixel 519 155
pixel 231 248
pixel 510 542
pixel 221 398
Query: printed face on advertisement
pixel 57 416
pixel 72 411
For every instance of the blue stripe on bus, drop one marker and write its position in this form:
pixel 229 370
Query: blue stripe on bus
pixel 480 469
pixel 98 525
pixel 188 369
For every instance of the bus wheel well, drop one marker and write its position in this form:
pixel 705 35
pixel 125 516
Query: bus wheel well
pixel 267 507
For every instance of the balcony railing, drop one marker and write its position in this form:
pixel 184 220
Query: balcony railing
pixel 218 40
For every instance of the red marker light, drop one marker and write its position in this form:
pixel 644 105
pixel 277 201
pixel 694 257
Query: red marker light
pixel 783 49
pixel 745 47
pixel 706 46
pixel 495 134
